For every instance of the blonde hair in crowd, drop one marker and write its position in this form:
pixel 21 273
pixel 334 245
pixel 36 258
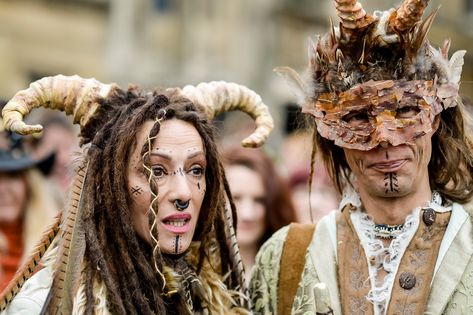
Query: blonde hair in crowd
pixel 41 206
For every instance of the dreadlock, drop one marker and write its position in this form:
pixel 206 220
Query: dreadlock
pixel 113 248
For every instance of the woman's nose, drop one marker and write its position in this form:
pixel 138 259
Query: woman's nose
pixel 179 188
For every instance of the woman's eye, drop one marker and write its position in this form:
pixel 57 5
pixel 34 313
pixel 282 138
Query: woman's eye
pixel 197 171
pixel 356 118
pixel 407 111
pixel 158 171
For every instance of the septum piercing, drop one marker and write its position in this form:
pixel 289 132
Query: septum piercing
pixel 181 206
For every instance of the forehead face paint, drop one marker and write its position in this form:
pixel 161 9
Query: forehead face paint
pixel 397 112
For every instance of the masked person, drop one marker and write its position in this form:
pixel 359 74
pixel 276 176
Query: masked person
pixel 27 204
pixel 391 129
pixel 146 229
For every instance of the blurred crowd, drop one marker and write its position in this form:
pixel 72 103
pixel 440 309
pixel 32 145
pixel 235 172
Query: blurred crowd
pixel 271 186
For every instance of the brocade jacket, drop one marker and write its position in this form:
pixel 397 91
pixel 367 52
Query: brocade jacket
pixel 449 291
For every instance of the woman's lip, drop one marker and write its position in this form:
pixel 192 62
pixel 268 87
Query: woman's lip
pixel 177 216
pixel 177 229
pixel 389 166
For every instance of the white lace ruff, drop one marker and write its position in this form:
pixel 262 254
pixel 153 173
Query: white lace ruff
pixel 374 248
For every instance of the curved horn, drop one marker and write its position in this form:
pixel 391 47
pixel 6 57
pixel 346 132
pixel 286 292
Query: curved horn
pixel 72 94
pixel 219 97
pixel 408 14
pixel 352 16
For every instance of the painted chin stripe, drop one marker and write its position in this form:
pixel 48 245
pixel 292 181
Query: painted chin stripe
pixel 176 245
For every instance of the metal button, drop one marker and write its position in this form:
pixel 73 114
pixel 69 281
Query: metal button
pixel 429 216
pixel 407 280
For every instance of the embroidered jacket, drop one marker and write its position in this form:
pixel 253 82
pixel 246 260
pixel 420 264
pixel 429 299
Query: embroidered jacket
pixel 451 286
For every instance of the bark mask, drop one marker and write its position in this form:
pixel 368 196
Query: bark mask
pixel 394 112
pixel 375 79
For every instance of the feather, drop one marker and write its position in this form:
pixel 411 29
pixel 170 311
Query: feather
pixel 455 66
pixel 333 36
pixel 421 32
pixel 444 49
pixel 70 252
pixel 234 249
pixel 293 79
pixel 27 269
pixel 312 52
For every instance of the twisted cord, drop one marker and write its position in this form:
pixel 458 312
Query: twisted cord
pixel 155 196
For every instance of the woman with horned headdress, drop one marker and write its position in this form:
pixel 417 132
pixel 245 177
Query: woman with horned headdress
pixel 147 230
pixel 391 128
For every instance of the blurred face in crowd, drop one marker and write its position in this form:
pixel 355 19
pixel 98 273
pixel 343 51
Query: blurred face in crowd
pixel 13 195
pixel 178 164
pixel 64 143
pixel 248 193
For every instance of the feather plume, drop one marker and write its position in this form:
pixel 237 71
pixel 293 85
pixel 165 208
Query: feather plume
pixel 234 249
pixel 293 79
pixel 421 34
pixel 70 252
pixel 30 265
pixel 445 48
pixel 455 66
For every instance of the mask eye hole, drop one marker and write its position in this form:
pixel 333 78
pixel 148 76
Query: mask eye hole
pixel 356 118
pixel 407 112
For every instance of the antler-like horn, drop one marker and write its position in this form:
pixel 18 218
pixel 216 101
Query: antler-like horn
pixel 352 16
pixel 409 14
pixel 219 97
pixel 72 94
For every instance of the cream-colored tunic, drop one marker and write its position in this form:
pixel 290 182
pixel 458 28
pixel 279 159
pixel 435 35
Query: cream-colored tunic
pixel 451 288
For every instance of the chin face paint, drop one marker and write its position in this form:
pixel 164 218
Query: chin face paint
pixel 394 112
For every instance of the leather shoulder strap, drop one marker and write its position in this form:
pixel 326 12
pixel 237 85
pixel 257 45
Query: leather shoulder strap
pixel 292 264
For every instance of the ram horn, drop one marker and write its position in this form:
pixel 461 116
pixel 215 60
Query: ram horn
pixel 218 97
pixel 408 15
pixel 72 94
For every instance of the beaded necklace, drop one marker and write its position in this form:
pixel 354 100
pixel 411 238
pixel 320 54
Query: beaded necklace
pixel 387 231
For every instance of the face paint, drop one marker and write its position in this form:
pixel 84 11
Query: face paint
pixel 390 183
pixel 177 245
pixel 136 190
pixel 394 112
pixel 177 161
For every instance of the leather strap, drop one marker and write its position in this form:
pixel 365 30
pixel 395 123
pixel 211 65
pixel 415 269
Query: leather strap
pixel 292 264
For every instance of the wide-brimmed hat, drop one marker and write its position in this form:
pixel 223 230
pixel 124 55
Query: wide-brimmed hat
pixel 14 157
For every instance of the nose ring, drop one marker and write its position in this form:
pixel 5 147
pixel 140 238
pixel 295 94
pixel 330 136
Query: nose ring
pixel 181 206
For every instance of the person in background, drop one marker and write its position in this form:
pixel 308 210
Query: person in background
pixel 311 202
pixel 58 136
pixel 262 199
pixel 27 204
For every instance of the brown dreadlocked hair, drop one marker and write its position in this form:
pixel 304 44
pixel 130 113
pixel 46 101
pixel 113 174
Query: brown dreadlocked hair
pixel 113 248
pixel 450 166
